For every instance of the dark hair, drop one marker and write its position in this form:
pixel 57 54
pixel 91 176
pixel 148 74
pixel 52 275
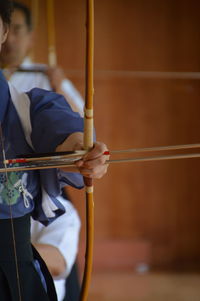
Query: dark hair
pixel 26 12
pixel 6 8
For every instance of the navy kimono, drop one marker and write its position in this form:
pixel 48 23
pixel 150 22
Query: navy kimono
pixel 32 193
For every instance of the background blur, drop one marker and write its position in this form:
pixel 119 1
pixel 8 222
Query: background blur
pixel 147 93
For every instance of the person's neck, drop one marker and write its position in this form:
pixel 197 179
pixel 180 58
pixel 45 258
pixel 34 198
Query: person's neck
pixel 9 68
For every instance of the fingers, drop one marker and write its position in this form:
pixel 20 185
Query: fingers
pixel 95 173
pixel 97 151
pixel 93 164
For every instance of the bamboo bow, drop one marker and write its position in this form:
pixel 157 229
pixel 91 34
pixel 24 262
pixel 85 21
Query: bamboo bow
pixel 52 57
pixel 88 144
pixel 88 126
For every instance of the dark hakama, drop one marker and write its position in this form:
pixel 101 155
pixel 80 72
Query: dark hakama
pixel 31 286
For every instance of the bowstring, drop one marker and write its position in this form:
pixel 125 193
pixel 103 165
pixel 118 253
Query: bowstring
pixel 11 215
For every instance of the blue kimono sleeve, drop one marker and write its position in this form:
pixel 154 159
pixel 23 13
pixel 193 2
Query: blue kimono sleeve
pixel 52 122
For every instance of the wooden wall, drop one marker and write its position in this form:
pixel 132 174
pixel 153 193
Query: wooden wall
pixel 153 207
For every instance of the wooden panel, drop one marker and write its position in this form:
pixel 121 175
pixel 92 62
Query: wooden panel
pixel 153 202
pixel 157 202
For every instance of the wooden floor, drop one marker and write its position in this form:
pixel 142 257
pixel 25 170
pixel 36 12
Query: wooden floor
pixel 127 286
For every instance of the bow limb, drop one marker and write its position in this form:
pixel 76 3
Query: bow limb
pixel 35 17
pixel 35 12
pixel 88 128
pixel 52 57
pixel 88 144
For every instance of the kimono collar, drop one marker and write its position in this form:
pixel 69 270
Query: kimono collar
pixel 4 96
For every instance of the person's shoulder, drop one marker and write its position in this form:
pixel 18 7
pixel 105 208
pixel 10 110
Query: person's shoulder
pixel 37 92
pixel 41 97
